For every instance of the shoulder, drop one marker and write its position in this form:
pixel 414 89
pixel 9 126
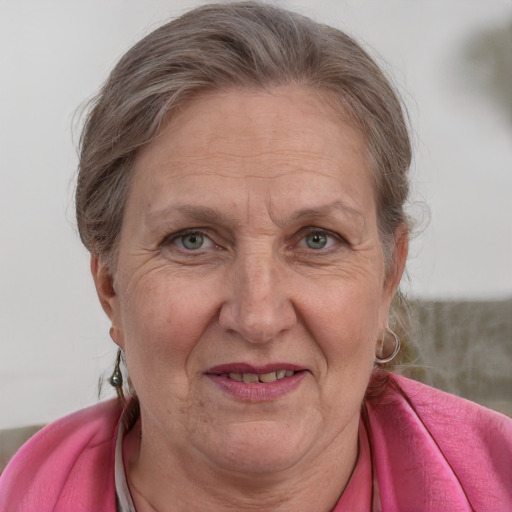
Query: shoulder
pixel 69 465
pixel 444 413
pixel 464 450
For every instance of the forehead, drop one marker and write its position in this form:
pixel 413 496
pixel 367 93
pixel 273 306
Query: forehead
pixel 290 140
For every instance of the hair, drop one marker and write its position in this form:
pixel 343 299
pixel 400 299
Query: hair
pixel 234 45
pixel 218 46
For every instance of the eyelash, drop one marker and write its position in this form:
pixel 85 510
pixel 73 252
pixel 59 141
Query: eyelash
pixel 334 238
pixel 176 237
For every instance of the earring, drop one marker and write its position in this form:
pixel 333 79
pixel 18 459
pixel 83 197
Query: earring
pixel 381 358
pixel 116 379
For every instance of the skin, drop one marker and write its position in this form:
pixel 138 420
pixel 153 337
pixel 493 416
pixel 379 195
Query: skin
pixel 262 177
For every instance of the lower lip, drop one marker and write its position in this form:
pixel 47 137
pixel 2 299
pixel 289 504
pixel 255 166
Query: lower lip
pixel 258 391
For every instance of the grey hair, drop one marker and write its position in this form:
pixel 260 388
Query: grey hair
pixel 241 45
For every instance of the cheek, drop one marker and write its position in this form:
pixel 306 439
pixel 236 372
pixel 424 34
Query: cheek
pixel 345 323
pixel 348 310
pixel 163 322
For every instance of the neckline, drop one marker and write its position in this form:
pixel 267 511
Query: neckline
pixel 361 492
pixel 123 497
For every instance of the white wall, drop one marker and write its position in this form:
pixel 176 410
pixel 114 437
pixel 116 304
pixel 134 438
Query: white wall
pixel 451 58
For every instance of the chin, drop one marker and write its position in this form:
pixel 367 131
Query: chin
pixel 260 447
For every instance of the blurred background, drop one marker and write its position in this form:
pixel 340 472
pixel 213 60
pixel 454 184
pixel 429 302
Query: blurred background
pixel 450 59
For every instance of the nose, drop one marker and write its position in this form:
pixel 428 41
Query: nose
pixel 258 307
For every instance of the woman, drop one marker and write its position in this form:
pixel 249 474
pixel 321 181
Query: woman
pixel 242 183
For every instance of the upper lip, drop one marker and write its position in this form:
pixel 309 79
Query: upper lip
pixel 249 368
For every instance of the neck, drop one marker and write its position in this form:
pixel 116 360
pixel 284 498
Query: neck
pixel 169 481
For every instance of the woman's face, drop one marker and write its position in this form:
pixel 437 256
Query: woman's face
pixel 250 288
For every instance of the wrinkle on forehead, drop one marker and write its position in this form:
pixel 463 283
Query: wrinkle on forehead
pixel 253 161
pixel 310 105
pixel 256 197
pixel 244 178
pixel 280 152
pixel 218 216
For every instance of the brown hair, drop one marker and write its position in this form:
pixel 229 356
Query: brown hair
pixel 247 44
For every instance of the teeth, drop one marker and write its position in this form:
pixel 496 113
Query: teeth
pixel 252 378
pixel 268 377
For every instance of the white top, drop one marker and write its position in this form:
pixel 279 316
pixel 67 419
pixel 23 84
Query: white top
pixel 124 498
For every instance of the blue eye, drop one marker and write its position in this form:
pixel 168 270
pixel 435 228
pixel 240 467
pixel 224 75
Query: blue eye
pixel 318 240
pixel 193 241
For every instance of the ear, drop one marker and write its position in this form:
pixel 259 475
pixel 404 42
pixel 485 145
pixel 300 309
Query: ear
pixel 104 283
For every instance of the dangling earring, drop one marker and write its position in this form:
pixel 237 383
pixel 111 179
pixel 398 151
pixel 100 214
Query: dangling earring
pixel 116 379
pixel 380 358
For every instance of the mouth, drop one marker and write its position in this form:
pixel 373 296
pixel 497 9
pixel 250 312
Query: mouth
pixel 252 378
pixel 243 372
pixel 257 383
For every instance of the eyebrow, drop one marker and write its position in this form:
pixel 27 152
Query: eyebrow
pixel 202 213
pixel 322 211
pixel 211 215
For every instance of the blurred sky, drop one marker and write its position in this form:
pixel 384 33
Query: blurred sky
pixel 451 60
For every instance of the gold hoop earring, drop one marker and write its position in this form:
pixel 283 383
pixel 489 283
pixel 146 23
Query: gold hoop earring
pixel 380 358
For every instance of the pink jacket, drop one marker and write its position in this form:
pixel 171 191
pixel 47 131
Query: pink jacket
pixel 430 451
